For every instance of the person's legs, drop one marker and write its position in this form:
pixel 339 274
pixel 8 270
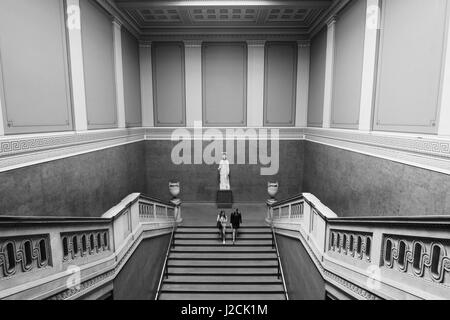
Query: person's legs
pixel 224 233
pixel 233 231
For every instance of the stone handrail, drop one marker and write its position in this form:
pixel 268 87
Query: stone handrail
pixel 70 258
pixel 370 258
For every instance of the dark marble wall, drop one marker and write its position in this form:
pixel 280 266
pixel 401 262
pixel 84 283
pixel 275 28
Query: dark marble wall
pixel 350 183
pixel 139 278
pixel 200 183
pixel 303 280
pixel 86 185
pixel 353 184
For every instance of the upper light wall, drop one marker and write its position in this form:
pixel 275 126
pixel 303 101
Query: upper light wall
pixel 34 75
pixel 410 65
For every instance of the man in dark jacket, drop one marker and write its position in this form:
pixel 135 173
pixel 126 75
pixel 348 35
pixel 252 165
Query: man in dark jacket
pixel 235 220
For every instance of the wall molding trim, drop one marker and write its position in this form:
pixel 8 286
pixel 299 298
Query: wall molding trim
pixel 423 151
pixel 25 150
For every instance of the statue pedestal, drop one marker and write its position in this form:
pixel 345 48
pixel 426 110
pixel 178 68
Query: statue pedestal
pixel 224 199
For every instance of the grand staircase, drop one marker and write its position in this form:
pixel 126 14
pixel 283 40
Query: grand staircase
pixel 200 267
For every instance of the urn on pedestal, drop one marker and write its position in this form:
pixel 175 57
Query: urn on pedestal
pixel 174 189
pixel 272 190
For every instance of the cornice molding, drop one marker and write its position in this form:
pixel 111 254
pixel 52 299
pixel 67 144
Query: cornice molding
pixel 222 36
pixel 117 14
pixel 332 12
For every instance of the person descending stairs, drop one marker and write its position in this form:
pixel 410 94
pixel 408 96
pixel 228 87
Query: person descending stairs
pixel 200 267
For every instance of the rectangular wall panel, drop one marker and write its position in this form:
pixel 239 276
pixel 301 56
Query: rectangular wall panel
pixel 131 79
pixel 169 90
pixel 34 76
pixel 98 56
pixel 317 79
pixel 348 64
pixel 224 68
pixel 410 64
pixel 280 84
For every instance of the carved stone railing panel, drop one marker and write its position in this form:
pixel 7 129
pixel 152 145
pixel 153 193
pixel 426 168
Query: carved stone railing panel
pixel 424 258
pixel 24 254
pixel 81 244
pixel 352 244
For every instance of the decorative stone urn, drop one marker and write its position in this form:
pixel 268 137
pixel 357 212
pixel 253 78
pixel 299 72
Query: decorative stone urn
pixel 272 190
pixel 174 189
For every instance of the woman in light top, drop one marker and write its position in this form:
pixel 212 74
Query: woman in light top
pixel 222 225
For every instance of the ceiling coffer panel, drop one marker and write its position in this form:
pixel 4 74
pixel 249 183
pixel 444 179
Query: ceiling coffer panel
pixel 183 14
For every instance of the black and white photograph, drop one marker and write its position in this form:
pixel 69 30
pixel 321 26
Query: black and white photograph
pixel 225 156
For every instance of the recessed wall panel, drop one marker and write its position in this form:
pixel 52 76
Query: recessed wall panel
pixel 410 65
pixel 317 79
pixel 224 70
pixel 169 84
pixel 131 79
pixel 348 64
pixel 34 76
pixel 280 84
pixel 98 58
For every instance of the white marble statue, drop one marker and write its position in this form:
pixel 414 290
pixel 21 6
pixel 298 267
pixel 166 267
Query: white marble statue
pixel 224 169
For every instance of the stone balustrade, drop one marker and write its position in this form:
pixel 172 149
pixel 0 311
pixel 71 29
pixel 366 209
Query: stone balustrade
pixel 370 258
pixel 40 256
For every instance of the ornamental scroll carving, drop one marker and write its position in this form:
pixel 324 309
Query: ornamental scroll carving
pixel 353 244
pixel 24 254
pixel 420 257
pixel 84 243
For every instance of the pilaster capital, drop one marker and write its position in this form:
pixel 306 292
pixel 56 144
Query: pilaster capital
pixel 145 44
pixel 256 43
pixel 331 21
pixel 303 43
pixel 117 23
pixel 192 43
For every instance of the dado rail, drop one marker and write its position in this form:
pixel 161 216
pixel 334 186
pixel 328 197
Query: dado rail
pixel 370 258
pixel 70 258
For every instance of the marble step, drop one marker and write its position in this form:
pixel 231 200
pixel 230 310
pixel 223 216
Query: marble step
pixel 223 263
pixel 218 288
pixel 222 296
pixel 215 235
pixel 220 248
pixel 231 278
pixel 223 255
pixel 217 241
pixel 220 270
pixel 214 230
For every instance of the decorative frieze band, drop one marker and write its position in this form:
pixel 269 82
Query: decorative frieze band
pixel 19 151
pixel 429 152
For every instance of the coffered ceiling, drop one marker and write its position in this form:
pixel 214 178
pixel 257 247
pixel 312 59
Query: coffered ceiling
pixel 154 17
